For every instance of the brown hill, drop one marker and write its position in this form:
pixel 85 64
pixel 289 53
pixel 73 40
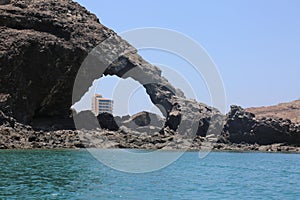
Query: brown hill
pixel 290 110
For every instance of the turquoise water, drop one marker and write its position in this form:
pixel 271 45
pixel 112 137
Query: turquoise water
pixel 75 174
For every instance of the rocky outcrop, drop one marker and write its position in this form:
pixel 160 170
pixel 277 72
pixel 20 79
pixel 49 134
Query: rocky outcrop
pixel 30 139
pixel 6 120
pixel 143 122
pixel 44 45
pixel 290 110
pixel 24 137
pixel 242 127
pixel 143 119
pixel 52 48
pixel 86 120
pixel 107 121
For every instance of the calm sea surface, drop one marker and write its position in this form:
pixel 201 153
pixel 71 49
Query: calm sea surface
pixel 75 174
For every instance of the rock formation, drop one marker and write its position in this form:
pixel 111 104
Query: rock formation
pixel 51 52
pixel 242 127
pixel 44 45
pixel 143 122
pixel 107 121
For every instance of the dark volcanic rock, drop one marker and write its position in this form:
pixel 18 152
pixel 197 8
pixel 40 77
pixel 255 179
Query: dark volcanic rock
pixel 43 51
pixel 107 121
pixel 43 46
pixel 197 119
pixel 6 120
pixel 141 119
pixel 242 127
pixel 174 120
pixel 86 120
pixel 143 122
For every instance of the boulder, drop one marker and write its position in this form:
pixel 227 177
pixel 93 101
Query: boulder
pixel 107 121
pixel 86 120
pixel 143 122
pixel 141 119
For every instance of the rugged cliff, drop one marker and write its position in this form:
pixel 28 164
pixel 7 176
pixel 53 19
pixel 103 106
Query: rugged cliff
pixel 243 127
pixel 44 46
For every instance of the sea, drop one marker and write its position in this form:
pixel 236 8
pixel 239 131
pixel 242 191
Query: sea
pixel 77 174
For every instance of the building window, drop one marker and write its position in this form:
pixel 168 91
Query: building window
pixel 101 105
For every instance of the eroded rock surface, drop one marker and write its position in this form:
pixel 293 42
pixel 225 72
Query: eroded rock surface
pixel 242 127
pixel 44 45
pixel 107 121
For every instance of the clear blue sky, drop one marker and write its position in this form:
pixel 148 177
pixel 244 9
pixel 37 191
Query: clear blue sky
pixel 255 44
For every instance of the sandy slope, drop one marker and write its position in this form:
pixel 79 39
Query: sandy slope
pixel 290 110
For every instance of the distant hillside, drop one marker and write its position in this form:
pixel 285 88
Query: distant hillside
pixel 289 110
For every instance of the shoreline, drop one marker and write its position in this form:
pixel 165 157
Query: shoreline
pixel 163 150
pixel 26 138
pixel 35 105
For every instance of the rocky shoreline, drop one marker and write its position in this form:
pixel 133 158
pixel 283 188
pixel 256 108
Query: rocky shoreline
pixel 141 131
pixel 36 94
pixel 21 136
pixel 104 139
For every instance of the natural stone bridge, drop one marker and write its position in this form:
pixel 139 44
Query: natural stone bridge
pixel 44 45
pixel 45 42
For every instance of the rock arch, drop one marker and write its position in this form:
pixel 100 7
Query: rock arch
pixel 45 44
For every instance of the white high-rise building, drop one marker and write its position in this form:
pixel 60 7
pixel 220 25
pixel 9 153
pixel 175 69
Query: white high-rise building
pixel 101 105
